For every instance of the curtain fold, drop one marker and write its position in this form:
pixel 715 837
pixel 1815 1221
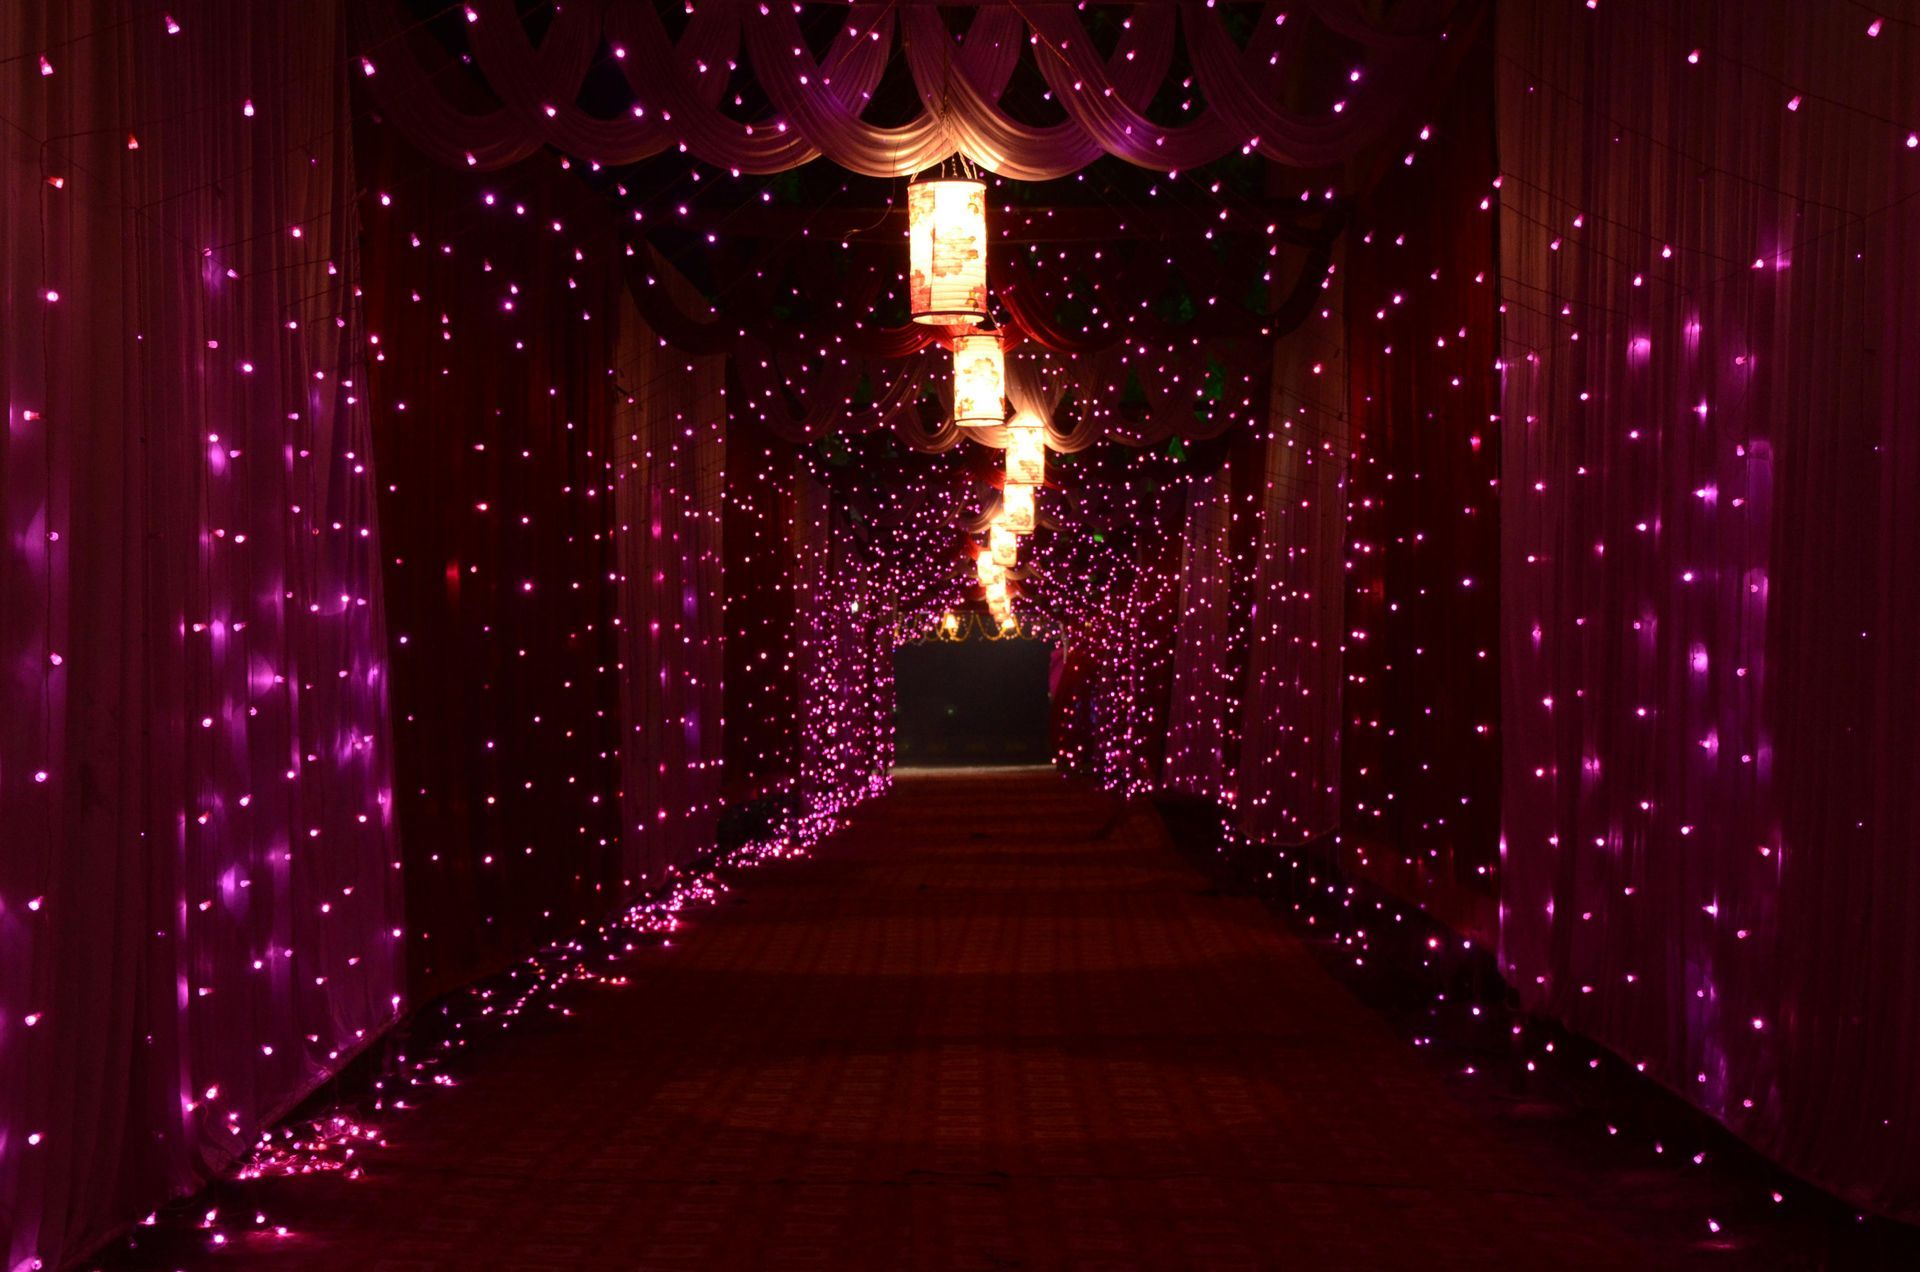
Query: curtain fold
pixel 1420 748
pixel 1289 787
pixel 494 435
pixel 199 915
pixel 1204 706
pixel 669 457
pixel 1709 576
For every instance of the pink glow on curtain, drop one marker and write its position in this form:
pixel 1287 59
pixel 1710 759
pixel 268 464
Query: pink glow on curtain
pixel 844 657
pixel 669 452
pixel 1205 706
pixel 1710 579
pixel 199 915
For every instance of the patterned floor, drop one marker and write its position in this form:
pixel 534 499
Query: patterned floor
pixel 996 1024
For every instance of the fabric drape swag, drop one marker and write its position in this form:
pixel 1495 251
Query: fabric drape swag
pixel 817 106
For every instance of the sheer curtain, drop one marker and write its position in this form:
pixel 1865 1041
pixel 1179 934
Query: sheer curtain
pixel 1203 711
pixel 1289 785
pixel 1420 752
pixel 199 915
pixel 1710 259
pixel 669 453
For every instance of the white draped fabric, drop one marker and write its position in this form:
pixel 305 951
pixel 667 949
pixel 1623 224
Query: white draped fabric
pixel 818 104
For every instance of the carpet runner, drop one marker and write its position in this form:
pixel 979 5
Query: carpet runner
pixel 996 1023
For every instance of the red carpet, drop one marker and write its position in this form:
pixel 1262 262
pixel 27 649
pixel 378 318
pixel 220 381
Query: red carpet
pixel 990 1026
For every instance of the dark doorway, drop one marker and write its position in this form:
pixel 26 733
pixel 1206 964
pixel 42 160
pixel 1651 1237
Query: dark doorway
pixel 973 701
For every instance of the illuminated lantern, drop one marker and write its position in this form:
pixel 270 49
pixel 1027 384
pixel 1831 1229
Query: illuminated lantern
pixel 979 380
pixel 947 251
pixel 997 593
pixel 1004 544
pixel 1026 451
pixel 988 571
pixel 1016 508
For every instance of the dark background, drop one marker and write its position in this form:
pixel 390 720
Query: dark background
pixel 971 702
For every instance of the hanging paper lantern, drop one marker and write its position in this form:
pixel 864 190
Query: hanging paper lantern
pixel 979 380
pixel 1017 508
pixel 997 592
pixel 947 251
pixel 1004 544
pixel 988 571
pixel 1026 451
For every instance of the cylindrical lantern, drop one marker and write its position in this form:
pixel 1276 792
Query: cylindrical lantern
pixel 997 593
pixel 979 380
pixel 947 251
pixel 1026 451
pixel 1004 544
pixel 988 571
pixel 1016 507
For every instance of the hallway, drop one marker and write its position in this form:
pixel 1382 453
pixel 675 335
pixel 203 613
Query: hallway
pixel 994 1024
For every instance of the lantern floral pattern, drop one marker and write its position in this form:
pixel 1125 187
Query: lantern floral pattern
pixel 947 251
pixel 1026 453
pixel 1017 508
pixel 979 380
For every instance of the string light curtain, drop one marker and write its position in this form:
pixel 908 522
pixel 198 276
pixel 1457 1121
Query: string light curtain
pixel 1203 712
pixel 845 665
pixel 669 458
pixel 1420 751
pixel 1289 787
pixel 199 915
pixel 1711 592
pixel 760 530
pixel 494 435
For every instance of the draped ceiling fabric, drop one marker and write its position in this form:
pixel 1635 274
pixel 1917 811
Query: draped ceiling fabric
pixel 533 91
pixel 1711 574
pixel 199 914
